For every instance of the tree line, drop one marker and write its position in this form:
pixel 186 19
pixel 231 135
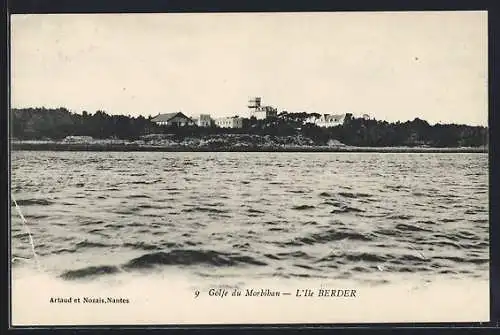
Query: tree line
pixel 56 124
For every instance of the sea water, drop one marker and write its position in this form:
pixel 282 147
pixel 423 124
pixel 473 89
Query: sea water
pixel 408 231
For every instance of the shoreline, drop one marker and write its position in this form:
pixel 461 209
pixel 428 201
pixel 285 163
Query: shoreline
pixel 126 147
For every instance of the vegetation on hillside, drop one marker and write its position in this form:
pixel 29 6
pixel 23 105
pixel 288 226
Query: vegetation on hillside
pixel 56 124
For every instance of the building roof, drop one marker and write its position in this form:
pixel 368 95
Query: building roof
pixel 167 117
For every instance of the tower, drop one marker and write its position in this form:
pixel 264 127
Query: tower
pixel 254 106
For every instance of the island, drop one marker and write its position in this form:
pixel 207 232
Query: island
pixel 60 129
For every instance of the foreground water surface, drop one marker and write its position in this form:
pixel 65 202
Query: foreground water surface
pixel 364 217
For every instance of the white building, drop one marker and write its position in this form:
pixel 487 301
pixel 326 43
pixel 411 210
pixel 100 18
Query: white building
pixel 229 122
pixel 169 119
pixel 255 109
pixel 202 120
pixel 327 120
pixel 264 112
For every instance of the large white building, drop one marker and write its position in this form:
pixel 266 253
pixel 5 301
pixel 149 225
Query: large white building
pixel 256 110
pixel 229 122
pixel 327 120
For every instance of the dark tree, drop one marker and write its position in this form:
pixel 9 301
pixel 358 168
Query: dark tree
pixel 43 123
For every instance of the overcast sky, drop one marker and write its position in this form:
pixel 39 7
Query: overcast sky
pixel 392 66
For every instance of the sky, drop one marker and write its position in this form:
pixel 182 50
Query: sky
pixel 390 65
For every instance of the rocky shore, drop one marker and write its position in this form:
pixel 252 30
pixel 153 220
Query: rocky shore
pixel 221 142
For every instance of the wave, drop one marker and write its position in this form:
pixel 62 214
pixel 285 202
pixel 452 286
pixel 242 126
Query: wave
pixel 32 202
pixel 365 257
pixel 256 211
pixel 204 209
pixel 98 231
pixel 89 244
pixel 463 260
pixel 174 257
pixel 39 216
pixel 400 217
pixel 242 246
pixel 330 236
pixel 271 256
pixel 64 250
pixel 291 275
pixel 134 224
pixel 294 254
pixel 414 269
pixel 143 182
pixel 125 211
pixel 477 245
pixel 361 269
pixel 149 206
pixel 114 225
pixel 303 266
pixel 357 257
pixel 137 196
pixel 347 209
pixel 171 189
pixel 354 195
pixel 90 272
pixel 303 207
pixel 190 257
pixel 334 203
pixel 297 191
pixel 409 227
pixel 447 244
pixel 426 222
pixel 449 220
pixel 113 189
pixel 141 246
pixel 21 235
pixel 412 258
pixel 473 211
pixel 397 188
pixel 465 235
